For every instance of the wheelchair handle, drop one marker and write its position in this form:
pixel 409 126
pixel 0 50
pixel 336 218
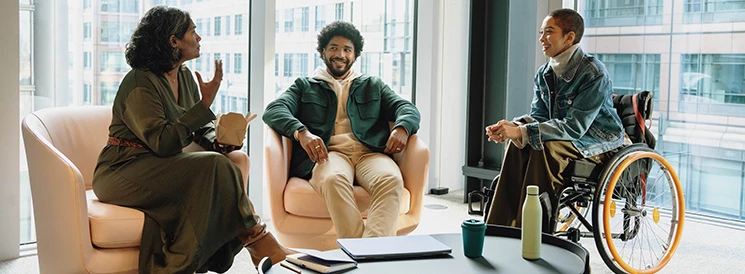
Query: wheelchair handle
pixel 471 195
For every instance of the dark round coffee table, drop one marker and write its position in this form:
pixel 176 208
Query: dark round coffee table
pixel 501 255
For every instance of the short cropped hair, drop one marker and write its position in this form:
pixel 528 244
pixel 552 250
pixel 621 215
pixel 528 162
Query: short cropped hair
pixel 344 29
pixel 149 47
pixel 569 20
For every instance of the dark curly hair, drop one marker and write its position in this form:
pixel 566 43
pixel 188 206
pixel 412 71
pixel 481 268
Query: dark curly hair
pixel 149 47
pixel 343 29
pixel 569 20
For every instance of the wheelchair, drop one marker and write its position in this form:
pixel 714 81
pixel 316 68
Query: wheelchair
pixel 635 199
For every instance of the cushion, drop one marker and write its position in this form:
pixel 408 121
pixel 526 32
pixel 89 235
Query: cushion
pixel 300 199
pixel 113 226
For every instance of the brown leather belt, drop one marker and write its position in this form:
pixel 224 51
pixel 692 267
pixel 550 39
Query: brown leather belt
pixel 116 141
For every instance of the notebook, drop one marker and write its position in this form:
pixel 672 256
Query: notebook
pixel 323 262
pixel 393 247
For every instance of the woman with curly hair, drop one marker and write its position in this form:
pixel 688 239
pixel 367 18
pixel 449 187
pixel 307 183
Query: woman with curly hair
pixel 197 213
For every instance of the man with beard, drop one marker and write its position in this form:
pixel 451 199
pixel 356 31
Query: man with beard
pixel 339 121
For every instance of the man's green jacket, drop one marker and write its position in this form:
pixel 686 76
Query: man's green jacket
pixel 312 103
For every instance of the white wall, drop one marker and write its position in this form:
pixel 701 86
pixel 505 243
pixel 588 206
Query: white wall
pixel 441 87
pixel 454 78
pixel 442 82
pixel 10 136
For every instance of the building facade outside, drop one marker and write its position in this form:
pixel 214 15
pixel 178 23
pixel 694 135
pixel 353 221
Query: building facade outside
pixel 691 54
pixel 386 25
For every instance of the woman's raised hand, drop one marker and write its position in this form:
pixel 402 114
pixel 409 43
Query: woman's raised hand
pixel 209 89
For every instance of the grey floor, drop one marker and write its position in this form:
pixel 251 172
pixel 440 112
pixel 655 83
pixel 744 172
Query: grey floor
pixel 706 246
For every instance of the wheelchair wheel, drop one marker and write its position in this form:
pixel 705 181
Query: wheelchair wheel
pixel 638 213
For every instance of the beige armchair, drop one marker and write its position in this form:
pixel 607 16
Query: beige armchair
pixel 300 216
pixel 75 232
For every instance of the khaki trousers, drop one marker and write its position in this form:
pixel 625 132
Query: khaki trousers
pixel 378 174
pixel 526 166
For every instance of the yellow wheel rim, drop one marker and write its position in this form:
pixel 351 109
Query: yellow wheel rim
pixel 609 205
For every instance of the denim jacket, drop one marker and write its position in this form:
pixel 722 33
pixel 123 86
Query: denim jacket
pixel 582 111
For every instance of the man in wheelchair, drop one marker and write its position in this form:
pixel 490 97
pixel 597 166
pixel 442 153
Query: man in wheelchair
pixel 572 117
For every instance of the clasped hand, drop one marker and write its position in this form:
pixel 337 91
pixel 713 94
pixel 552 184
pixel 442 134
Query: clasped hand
pixel 317 152
pixel 502 131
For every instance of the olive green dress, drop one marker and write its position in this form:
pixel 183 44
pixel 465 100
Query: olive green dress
pixel 194 202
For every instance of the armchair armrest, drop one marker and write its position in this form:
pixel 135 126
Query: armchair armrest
pixel 414 164
pixel 277 151
pixel 60 207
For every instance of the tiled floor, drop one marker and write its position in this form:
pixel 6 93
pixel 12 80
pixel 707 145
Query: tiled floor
pixel 706 247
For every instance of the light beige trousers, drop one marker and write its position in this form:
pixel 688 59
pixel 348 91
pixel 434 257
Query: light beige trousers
pixel 375 172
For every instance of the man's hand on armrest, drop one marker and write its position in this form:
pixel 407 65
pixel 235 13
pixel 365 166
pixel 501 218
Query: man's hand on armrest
pixel 397 140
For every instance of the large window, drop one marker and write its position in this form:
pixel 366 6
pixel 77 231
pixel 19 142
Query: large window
pixel 87 61
pixel 696 68
pixel 386 25
pixel 304 19
pixel 97 32
pixel 320 17
pixel 698 11
pixel 238 24
pixel 120 6
pixel 339 11
pixel 108 92
pixel 238 65
pixel 113 62
pixel 289 19
pixel 600 13
pixel 632 73
pixel 87 30
pixel 713 79
pixel 227 25
pixel 116 31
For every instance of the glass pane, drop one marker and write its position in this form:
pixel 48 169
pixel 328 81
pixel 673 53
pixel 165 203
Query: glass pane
pixel 25 47
pixel 97 33
pixel 387 27
pixel 697 73
pixel 26 82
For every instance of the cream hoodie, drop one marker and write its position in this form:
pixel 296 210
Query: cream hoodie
pixel 342 140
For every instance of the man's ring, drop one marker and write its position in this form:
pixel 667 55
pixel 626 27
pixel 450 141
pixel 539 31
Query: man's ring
pixel 398 148
pixel 318 146
pixel 500 136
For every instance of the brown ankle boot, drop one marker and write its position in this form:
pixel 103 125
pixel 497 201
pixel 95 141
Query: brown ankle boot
pixel 261 243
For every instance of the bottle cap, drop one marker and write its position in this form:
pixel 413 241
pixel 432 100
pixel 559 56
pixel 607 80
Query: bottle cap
pixel 532 190
pixel 473 223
